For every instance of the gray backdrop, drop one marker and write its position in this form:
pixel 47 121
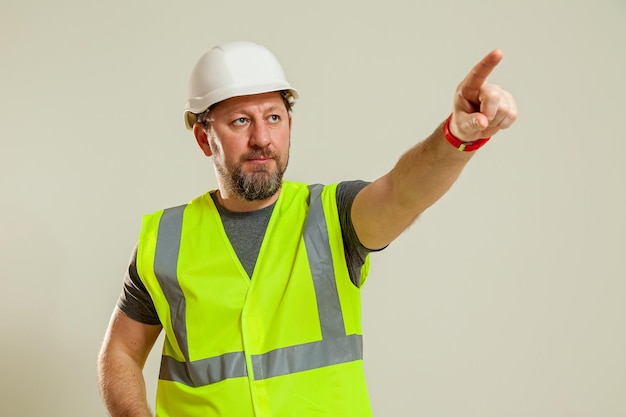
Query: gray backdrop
pixel 507 298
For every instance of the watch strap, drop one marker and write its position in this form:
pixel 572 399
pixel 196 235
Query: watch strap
pixel 458 143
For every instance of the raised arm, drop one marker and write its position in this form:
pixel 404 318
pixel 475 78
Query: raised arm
pixel 124 352
pixel 386 207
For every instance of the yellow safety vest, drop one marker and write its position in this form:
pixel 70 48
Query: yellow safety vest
pixel 286 342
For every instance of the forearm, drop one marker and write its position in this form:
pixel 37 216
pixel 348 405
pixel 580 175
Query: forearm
pixel 425 173
pixel 385 208
pixel 122 385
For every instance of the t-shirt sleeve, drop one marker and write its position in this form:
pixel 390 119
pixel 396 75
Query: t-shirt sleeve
pixel 355 252
pixel 135 301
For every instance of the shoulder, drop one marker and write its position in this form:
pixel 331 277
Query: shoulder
pixel 199 201
pixel 347 191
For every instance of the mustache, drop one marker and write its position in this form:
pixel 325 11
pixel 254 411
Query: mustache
pixel 259 153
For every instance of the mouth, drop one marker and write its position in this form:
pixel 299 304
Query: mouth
pixel 259 157
pixel 259 164
pixel 259 161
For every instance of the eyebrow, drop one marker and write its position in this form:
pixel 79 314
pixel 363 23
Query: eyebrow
pixel 269 109
pixel 274 107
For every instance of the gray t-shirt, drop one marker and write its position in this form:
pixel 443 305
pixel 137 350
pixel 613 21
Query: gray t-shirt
pixel 245 232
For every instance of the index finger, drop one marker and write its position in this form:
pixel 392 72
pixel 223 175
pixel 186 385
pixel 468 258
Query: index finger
pixel 470 86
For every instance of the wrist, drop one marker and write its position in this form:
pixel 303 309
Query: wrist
pixel 460 144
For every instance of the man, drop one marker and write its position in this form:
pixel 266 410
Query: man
pixel 256 284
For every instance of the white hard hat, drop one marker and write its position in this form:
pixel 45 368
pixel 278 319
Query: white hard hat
pixel 233 69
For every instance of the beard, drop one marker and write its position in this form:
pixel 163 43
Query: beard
pixel 258 185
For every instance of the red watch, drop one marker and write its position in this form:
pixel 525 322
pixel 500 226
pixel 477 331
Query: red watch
pixel 458 143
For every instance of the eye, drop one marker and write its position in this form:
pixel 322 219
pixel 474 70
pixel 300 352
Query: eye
pixel 241 121
pixel 274 118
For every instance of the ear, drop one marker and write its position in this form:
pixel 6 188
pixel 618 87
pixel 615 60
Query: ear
pixel 201 138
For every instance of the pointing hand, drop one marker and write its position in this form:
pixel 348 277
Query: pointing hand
pixel 481 109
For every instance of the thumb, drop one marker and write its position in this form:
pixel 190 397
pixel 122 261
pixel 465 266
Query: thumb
pixel 479 122
pixel 469 126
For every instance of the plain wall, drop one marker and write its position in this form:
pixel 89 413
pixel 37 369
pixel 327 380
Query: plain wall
pixel 506 298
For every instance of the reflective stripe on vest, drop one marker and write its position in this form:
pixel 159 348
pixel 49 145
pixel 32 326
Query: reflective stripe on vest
pixel 335 347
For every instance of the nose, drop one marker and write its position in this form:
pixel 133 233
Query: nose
pixel 260 135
